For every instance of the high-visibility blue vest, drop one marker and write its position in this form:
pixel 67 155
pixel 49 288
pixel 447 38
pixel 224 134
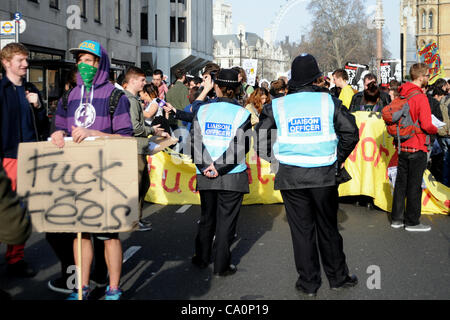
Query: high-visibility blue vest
pixel 219 123
pixel 306 136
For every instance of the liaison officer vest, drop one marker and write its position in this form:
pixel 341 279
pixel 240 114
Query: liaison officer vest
pixel 306 134
pixel 219 123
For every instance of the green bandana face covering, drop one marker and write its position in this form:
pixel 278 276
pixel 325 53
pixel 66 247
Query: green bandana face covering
pixel 87 73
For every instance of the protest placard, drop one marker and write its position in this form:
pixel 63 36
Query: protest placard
pixel 356 74
pixel 90 187
pixel 429 54
pixel 158 144
pixel 251 68
pixel 390 70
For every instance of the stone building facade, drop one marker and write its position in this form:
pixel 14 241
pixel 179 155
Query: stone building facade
pixel 423 22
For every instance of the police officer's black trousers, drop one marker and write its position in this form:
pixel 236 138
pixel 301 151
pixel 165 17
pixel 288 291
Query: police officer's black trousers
pixel 220 211
pixel 312 217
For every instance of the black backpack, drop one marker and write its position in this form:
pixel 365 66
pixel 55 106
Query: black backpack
pixel 113 100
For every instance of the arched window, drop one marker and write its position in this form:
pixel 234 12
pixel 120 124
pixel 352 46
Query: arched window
pixel 430 20
pixel 424 20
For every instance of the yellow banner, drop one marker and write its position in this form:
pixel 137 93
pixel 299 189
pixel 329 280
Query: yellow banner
pixel 368 165
pixel 173 176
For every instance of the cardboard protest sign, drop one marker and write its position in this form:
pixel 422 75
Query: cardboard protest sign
pixel 89 187
pixel 429 54
pixel 158 144
pixel 390 70
pixel 356 74
pixel 251 68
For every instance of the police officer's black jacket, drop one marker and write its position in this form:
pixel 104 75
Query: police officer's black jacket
pixel 291 177
pixel 239 147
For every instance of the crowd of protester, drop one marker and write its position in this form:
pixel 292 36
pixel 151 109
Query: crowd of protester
pixel 165 109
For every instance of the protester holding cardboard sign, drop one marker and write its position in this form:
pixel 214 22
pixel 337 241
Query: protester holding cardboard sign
pixel 87 115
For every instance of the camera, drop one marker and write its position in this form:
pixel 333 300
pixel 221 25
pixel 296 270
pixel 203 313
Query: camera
pixel 213 75
pixel 161 103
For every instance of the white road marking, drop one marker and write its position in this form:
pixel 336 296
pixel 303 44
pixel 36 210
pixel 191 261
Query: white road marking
pixel 183 209
pixel 154 208
pixel 130 253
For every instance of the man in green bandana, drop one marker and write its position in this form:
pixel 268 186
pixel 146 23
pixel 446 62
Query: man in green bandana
pixel 87 113
pixel 87 68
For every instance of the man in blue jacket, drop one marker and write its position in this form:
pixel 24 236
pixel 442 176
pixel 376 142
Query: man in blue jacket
pixel 23 119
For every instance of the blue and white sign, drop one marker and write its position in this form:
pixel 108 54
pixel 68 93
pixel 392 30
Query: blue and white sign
pixel 219 129
pixel 18 16
pixel 7 28
pixel 305 125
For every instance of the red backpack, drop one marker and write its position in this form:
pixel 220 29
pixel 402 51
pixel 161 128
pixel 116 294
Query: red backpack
pixel 398 119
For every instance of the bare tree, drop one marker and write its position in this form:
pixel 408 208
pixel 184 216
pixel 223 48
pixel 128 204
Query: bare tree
pixel 339 34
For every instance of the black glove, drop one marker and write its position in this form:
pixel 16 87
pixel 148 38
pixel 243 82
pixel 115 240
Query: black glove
pixel 342 175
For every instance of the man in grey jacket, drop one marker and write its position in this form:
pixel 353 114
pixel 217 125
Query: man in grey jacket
pixel 135 82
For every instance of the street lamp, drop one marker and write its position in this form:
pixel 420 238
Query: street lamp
pixel 240 47
pixel 262 71
pixel 379 22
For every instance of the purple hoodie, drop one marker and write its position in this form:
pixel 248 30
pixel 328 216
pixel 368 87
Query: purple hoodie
pixel 98 117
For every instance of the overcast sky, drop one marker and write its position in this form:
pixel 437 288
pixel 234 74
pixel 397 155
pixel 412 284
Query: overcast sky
pixel 259 14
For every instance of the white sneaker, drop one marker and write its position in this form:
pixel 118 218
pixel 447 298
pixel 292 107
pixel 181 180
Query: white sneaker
pixel 143 226
pixel 418 228
pixel 397 224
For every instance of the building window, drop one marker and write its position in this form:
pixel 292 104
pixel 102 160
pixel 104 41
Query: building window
pixel 117 14
pixel 144 26
pixel 173 30
pixel 430 20
pixel 83 9
pixel 230 52
pixel 182 29
pixel 35 1
pixel 129 16
pixel 97 10
pixel 424 20
pixel 230 63
pixel 54 4
pixel 182 1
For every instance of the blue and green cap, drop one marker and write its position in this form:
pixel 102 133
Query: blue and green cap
pixel 88 46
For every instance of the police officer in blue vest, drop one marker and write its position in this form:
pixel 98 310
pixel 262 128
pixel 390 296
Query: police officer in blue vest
pixel 309 135
pixel 220 139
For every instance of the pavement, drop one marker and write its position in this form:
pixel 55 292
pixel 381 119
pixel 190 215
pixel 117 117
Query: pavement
pixel 390 264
